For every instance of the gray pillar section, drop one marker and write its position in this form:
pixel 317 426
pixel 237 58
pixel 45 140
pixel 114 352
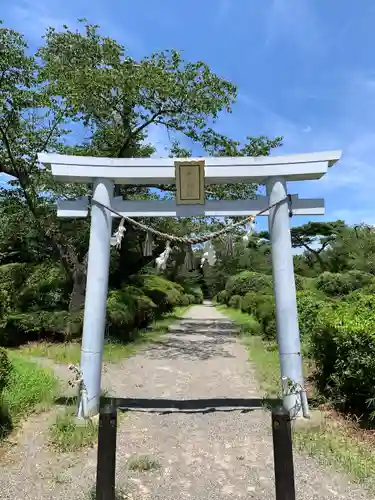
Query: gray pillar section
pixel 288 337
pixel 96 294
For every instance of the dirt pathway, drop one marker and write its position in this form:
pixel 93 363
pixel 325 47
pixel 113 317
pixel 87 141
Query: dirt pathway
pixel 201 455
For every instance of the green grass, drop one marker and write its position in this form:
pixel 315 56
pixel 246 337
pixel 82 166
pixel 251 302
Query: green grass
pixel 334 445
pixel 143 463
pixel 263 355
pixel 68 435
pixel 248 324
pixel 70 352
pixel 30 389
pixel 339 448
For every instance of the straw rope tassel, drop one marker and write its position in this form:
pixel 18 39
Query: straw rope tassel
pixel 148 245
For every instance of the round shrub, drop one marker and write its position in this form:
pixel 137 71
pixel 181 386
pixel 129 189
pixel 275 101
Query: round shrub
pixel 266 315
pixel 47 288
pixel 127 310
pixel 187 300
pixel 197 293
pixel 5 369
pixel 162 292
pixel 223 297
pixel 248 281
pixel 364 297
pixel 343 346
pixel 249 303
pixel 20 328
pixel 336 284
pixel 304 283
pixel 309 304
pixel 235 302
pixel 250 326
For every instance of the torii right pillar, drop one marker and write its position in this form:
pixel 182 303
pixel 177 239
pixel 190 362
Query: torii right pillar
pixel 288 336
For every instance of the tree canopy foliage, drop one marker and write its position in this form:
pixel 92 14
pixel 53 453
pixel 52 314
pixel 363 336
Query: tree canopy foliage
pixel 82 93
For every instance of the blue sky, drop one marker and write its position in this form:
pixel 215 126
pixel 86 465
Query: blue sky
pixel 305 70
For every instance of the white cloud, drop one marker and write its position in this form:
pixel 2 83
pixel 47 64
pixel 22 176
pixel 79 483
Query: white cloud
pixel 294 21
pixel 273 123
pixel 353 217
pixel 33 18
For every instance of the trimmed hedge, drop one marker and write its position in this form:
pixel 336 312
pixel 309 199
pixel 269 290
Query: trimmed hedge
pixel 128 309
pixel 309 305
pixel 5 370
pixel 337 284
pixel 343 347
pixel 248 281
pixel 262 307
pixel 222 297
pixel 20 328
pixel 163 293
pixel 197 293
pixel 235 302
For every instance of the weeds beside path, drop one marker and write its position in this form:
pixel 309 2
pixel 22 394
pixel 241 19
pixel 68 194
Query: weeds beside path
pixel 332 441
pixel 32 453
pixel 114 351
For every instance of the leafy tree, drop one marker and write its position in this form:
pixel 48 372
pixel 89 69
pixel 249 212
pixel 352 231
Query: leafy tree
pixel 314 238
pixel 85 78
pixel 354 248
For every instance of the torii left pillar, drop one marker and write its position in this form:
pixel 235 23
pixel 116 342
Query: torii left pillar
pixel 96 296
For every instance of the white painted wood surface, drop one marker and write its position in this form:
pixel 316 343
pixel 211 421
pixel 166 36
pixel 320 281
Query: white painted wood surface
pixel 169 208
pixel 218 170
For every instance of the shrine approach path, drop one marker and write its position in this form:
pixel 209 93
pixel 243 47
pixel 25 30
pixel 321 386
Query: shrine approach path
pixel 213 455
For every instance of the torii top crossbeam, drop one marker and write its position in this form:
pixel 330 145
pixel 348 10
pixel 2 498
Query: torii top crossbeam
pixel 218 170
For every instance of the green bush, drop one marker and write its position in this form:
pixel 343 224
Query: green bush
pixel 5 369
pixel 46 287
pixel 304 283
pixel 163 293
pixel 337 284
pixel 249 303
pixel 197 293
pixel 343 347
pixel 12 277
pixel 222 297
pixel 186 300
pixel 248 281
pixel 266 315
pixel 192 298
pixel 365 296
pixel 20 328
pixel 235 302
pixel 263 308
pixel 309 304
pixel 127 309
pixel 247 323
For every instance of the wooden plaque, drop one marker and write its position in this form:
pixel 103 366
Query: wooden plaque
pixel 190 182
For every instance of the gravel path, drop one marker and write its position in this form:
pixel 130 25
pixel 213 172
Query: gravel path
pixel 201 455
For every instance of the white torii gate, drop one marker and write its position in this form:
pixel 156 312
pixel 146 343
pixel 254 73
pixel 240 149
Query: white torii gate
pixel 104 173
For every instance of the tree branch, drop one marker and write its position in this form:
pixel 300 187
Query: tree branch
pixel 139 129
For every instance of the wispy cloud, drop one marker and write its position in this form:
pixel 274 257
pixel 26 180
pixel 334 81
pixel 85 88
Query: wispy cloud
pixel 294 21
pixel 33 18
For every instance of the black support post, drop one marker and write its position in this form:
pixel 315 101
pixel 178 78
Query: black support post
pixel 106 467
pixel 283 455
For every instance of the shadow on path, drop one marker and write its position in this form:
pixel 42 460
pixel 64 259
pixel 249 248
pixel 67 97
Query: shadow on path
pixel 195 340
